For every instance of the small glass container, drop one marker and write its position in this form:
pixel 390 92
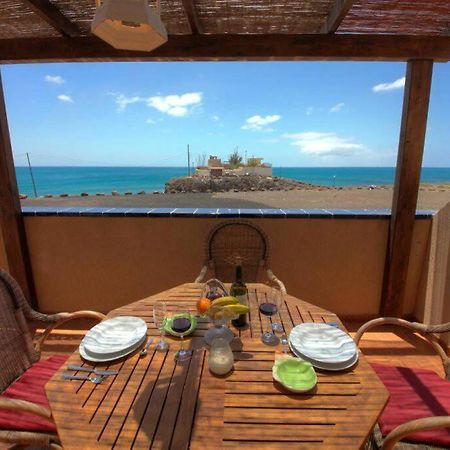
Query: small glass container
pixel 221 358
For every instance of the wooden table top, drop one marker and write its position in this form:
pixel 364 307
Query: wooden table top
pixel 155 402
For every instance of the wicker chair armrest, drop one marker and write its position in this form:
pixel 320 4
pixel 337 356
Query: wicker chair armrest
pixel 425 330
pixel 201 275
pixel 276 281
pixel 23 406
pixel 63 318
pixel 424 424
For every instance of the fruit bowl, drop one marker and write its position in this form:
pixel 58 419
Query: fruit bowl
pixel 219 308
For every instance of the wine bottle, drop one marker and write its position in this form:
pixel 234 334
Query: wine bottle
pixel 239 290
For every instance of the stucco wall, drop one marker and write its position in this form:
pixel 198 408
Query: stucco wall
pixel 103 262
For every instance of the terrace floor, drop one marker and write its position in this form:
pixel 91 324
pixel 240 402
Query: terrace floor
pixel 388 345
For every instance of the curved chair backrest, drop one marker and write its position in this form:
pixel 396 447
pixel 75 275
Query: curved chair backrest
pixel 16 346
pixel 231 243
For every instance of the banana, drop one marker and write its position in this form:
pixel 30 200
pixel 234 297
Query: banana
pixel 235 309
pixel 224 301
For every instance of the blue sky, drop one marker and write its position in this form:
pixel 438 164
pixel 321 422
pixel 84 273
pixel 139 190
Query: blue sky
pixel 292 114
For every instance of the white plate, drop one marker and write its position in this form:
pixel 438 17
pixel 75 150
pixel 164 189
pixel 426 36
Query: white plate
pixel 323 343
pixel 106 358
pixel 114 335
pixel 326 366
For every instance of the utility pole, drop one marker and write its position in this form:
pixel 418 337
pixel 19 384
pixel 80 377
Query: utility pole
pixel 189 162
pixel 32 177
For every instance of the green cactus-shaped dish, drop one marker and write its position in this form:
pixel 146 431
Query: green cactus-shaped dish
pixel 294 374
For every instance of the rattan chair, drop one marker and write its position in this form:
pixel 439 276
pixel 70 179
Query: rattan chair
pixel 17 354
pixel 238 242
pixel 423 424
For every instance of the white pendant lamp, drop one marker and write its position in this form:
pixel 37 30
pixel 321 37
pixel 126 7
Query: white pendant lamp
pixel 129 24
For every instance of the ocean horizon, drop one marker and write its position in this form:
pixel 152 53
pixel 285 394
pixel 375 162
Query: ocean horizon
pixel 74 180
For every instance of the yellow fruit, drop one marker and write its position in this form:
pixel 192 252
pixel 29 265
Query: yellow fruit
pixel 212 310
pixel 223 301
pixel 235 309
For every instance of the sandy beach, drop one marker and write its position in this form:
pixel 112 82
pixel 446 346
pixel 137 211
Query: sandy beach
pixel 430 197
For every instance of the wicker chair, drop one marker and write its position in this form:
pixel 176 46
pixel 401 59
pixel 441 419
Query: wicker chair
pixel 17 354
pixel 230 242
pixel 422 424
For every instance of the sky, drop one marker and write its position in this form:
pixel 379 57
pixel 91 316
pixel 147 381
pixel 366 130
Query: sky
pixel 314 114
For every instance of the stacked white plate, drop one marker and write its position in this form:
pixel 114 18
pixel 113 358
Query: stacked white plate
pixel 324 346
pixel 113 338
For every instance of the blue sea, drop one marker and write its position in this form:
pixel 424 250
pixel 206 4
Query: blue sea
pixel 74 180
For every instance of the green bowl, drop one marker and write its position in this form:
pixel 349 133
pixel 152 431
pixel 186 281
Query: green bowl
pixel 294 374
pixel 168 325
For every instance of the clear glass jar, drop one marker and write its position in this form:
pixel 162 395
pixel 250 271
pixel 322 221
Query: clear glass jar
pixel 221 358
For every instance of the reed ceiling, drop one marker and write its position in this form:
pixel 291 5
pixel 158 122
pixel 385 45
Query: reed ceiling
pixel 21 18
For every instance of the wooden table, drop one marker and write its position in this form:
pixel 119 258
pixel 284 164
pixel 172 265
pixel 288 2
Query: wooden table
pixel 157 403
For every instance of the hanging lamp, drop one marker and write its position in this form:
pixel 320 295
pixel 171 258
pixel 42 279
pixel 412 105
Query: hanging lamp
pixel 129 24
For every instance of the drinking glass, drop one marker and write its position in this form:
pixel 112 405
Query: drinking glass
pixel 159 317
pixel 268 309
pixel 276 297
pixel 181 324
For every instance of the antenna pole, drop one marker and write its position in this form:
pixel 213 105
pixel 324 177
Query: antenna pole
pixel 32 177
pixel 189 162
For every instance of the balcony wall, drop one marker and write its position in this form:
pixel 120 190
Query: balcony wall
pixel 104 262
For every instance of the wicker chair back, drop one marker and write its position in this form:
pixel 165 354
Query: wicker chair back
pixel 16 347
pixel 233 243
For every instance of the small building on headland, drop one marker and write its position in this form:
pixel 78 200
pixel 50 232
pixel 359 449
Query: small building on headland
pixel 217 168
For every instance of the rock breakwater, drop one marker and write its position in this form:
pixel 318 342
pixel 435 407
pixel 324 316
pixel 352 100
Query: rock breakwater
pixel 235 183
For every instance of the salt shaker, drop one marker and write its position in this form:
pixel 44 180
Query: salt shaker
pixel 221 358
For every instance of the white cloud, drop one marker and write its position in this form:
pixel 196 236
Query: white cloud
pixel 337 108
pixel 325 144
pixel 215 118
pixel 55 79
pixel 259 123
pixel 397 84
pixel 122 101
pixel 309 110
pixel 175 105
pixel 150 121
pixel 65 98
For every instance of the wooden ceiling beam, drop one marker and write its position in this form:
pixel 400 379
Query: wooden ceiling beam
pixel 53 16
pixel 315 47
pixel 192 16
pixel 336 15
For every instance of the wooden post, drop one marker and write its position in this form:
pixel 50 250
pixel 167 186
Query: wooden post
pixel 11 221
pixel 407 181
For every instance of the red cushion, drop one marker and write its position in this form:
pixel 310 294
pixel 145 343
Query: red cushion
pixel 30 386
pixel 415 393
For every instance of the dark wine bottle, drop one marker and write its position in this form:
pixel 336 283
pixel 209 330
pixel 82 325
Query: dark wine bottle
pixel 239 290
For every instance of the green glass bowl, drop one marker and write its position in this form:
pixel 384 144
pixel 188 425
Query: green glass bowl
pixel 294 374
pixel 168 325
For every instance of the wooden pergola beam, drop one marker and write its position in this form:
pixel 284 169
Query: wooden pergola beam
pixel 336 15
pixel 407 180
pixel 53 16
pixel 11 221
pixel 234 48
pixel 192 16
